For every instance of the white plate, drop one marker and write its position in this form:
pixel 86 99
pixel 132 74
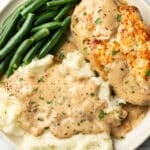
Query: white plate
pixel 134 138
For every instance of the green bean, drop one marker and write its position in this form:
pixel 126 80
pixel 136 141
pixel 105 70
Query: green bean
pixel 40 34
pixel 10 18
pixel 64 11
pixel 18 37
pixel 58 2
pixel 20 23
pixel 50 26
pixel 55 39
pixel 57 47
pixel 8 27
pixel 34 50
pixel 46 16
pixel 45 8
pixel 52 8
pixel 4 64
pixel 18 56
pixel 3 26
pixel 33 7
pixel 27 3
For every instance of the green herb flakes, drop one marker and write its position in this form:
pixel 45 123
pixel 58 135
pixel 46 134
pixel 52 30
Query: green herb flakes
pixel 92 94
pixel 62 55
pixel 99 10
pixel 46 128
pixel 40 119
pixel 11 94
pixel 126 82
pixel 20 79
pixel 98 21
pixel 41 98
pixel 122 69
pixel 49 102
pixel 118 17
pixel 41 79
pixel 114 52
pixel 84 13
pixel 35 89
pixel 147 72
pixel 85 49
pixel 102 114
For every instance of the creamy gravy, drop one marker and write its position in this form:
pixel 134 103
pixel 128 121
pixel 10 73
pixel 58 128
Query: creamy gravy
pixel 95 18
pixel 126 86
pixel 135 116
pixel 64 98
pixel 62 105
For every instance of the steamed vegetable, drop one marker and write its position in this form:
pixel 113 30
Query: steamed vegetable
pixel 35 28
pixel 58 2
pixel 33 51
pixel 64 11
pixel 40 34
pixel 50 26
pixel 4 64
pixel 8 27
pixel 18 56
pixel 55 38
pixel 46 16
pixel 17 38
pixel 33 6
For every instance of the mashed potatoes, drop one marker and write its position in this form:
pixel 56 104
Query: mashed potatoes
pixel 10 108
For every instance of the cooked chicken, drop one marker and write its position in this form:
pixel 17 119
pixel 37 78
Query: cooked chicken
pixel 117 43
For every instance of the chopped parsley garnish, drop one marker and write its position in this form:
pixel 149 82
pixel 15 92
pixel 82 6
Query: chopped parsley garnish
pixel 99 10
pixel 82 121
pixel 92 94
pixel 102 114
pixel 46 128
pixel 35 89
pixel 118 17
pixel 49 102
pixel 84 13
pixel 62 55
pixel 20 79
pixel 126 82
pixel 122 137
pixel 120 116
pixel 114 52
pixel 147 72
pixel 98 21
pixel 121 69
pixel 11 94
pixel 41 79
pixel 40 119
pixel 85 49
pixel 133 92
pixel 41 98
pixel 121 104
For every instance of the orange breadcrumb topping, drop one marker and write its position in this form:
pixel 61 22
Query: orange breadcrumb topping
pixel 131 43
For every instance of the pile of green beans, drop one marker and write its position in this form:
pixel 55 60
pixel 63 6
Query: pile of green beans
pixel 34 29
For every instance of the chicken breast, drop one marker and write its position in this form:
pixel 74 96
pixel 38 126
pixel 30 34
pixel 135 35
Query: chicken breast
pixel 117 43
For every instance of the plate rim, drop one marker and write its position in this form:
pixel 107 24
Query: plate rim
pixel 5 4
